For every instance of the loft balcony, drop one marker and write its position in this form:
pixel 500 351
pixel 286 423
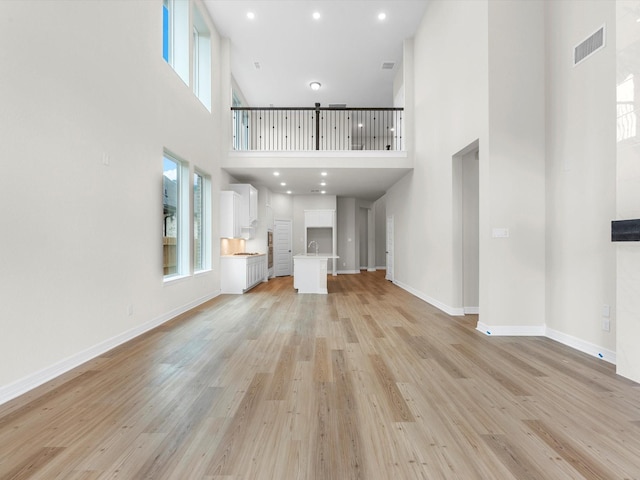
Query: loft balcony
pixel 363 150
pixel 309 129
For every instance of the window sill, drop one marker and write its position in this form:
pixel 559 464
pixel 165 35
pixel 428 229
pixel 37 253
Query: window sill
pixel 174 279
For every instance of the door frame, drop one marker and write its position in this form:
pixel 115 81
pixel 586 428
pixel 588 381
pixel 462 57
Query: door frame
pixel 389 250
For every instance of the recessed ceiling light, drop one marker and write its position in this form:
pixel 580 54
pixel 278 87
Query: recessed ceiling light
pixel 392 129
pixel 251 15
pixel 316 15
pixel 289 192
pixel 323 192
pixel 315 86
pixel 322 184
pixel 324 174
pixel 284 184
pixel 276 174
pixel 360 125
pixel 382 16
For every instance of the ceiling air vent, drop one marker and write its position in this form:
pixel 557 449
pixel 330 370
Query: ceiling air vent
pixel 590 46
pixel 256 65
pixel 388 65
pixel 315 191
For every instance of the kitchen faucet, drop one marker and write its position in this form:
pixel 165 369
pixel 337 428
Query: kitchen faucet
pixel 313 242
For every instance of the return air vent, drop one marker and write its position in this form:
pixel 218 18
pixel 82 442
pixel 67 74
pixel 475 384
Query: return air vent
pixel 315 191
pixel 337 105
pixel 388 65
pixel 256 65
pixel 590 46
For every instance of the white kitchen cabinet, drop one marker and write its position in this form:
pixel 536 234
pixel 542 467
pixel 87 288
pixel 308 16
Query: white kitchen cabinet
pixel 230 209
pixel 239 273
pixel 249 203
pixel 318 218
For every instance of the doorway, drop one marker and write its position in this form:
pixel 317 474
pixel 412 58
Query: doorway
pixel 282 248
pixel 466 224
pixel 363 237
pixel 389 249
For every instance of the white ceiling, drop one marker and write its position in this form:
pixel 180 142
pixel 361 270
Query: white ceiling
pixel 343 50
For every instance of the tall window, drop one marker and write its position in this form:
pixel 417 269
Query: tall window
pixel 201 222
pixel 201 59
pixel 175 36
pixel 166 31
pixel 173 208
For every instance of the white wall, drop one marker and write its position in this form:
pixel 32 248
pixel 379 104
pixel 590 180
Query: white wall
pixel 346 225
pixel 448 66
pixel 380 216
pixel 470 231
pixel 580 173
pixel 512 172
pixel 363 238
pixel 628 192
pixel 82 244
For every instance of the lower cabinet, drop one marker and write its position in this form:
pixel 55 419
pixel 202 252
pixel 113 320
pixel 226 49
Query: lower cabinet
pixel 241 273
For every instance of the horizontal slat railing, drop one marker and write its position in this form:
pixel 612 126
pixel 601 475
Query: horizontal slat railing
pixel 319 128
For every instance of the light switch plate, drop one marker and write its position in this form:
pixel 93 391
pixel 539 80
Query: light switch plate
pixel 500 232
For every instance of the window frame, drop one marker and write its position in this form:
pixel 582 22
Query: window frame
pixel 182 248
pixel 205 222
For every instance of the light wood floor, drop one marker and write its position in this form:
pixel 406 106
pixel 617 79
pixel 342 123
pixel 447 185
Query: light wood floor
pixel 367 382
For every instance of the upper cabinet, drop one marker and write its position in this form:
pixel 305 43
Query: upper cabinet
pixel 230 208
pixel 318 218
pixel 249 203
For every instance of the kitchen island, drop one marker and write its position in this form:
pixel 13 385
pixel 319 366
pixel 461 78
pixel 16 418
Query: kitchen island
pixel 310 272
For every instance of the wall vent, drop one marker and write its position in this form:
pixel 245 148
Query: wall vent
pixel 588 47
pixel 388 65
pixel 337 105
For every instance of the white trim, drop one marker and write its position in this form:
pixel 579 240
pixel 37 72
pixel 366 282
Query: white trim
pixel 582 345
pixel 453 311
pixel 343 272
pixel 381 268
pixel 371 269
pixel 511 330
pixel 384 154
pixel 472 310
pixel 23 385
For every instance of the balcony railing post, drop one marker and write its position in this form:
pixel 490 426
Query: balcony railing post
pixel 317 126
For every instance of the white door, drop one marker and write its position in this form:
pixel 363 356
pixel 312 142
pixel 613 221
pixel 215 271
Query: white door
pixel 282 248
pixel 389 250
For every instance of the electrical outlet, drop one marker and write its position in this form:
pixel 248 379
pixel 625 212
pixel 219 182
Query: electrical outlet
pixel 606 324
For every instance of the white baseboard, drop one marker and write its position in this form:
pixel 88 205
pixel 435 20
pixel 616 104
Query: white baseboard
pixel 472 310
pixel 19 387
pixel 453 311
pixel 544 331
pixel 381 268
pixel 511 330
pixel 348 272
pixel 371 269
pixel 582 345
